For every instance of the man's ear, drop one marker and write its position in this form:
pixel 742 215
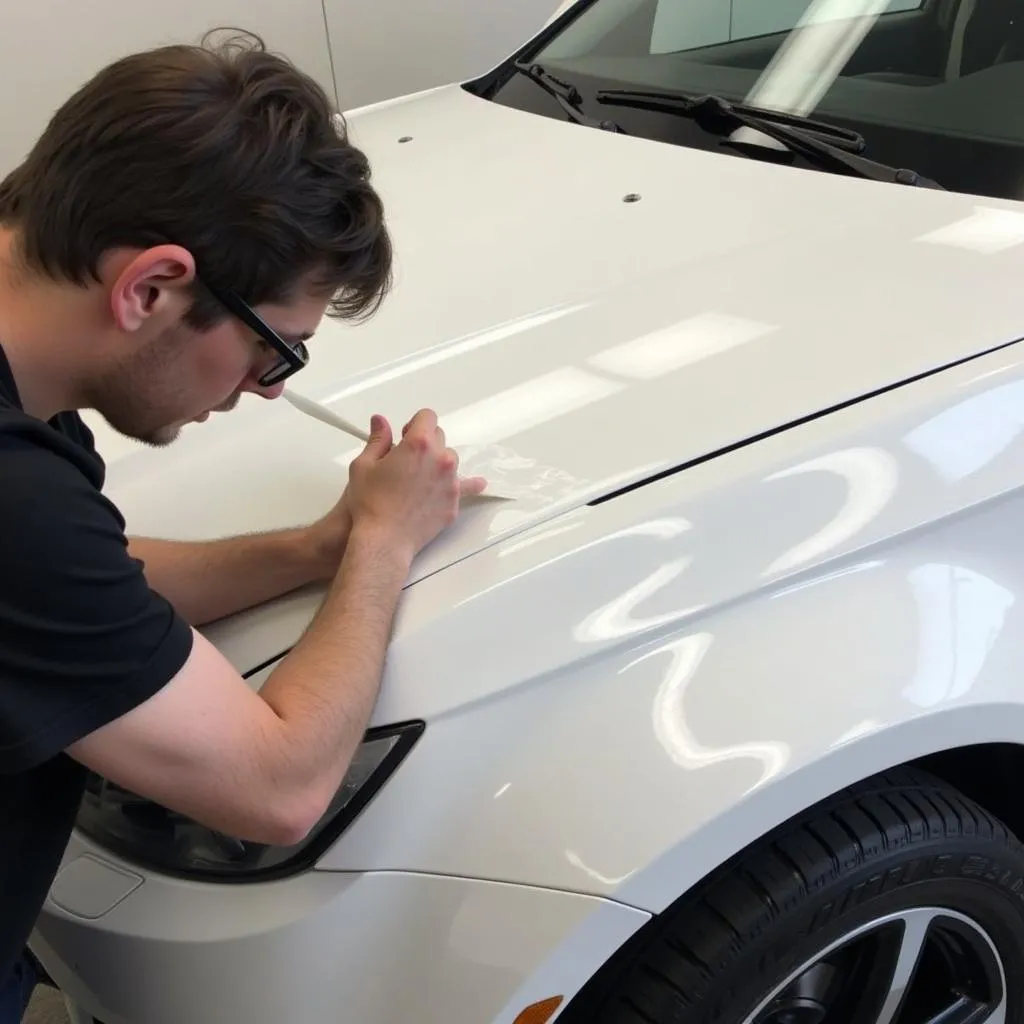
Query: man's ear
pixel 151 284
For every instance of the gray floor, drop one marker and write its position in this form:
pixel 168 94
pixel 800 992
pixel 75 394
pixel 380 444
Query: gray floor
pixel 47 1007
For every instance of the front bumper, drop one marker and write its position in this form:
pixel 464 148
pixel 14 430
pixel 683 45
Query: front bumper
pixel 372 948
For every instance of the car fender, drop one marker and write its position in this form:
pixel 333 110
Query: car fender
pixel 644 688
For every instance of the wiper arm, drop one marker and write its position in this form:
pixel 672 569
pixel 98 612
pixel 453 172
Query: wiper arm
pixel 821 144
pixel 567 95
pixel 676 103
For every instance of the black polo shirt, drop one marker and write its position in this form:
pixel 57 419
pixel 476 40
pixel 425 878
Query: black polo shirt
pixel 82 641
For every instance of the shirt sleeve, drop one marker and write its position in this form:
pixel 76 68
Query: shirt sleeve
pixel 83 639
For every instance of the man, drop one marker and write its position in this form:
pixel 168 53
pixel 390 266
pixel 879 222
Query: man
pixel 180 228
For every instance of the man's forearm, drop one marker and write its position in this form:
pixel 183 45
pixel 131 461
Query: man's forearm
pixel 266 766
pixel 325 689
pixel 208 580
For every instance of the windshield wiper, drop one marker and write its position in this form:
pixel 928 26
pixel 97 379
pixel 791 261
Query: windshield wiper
pixel 819 143
pixel 567 95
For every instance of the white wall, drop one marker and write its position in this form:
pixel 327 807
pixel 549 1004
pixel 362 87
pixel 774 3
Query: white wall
pixel 386 48
pixel 381 48
pixel 50 47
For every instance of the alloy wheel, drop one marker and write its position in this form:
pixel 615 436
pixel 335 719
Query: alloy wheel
pixel 921 966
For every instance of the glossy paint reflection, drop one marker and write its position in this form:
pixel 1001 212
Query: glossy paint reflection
pixel 970 434
pixel 962 614
pixel 869 478
pixel 682 668
pixel 620 617
pixel 671 721
pixel 449 349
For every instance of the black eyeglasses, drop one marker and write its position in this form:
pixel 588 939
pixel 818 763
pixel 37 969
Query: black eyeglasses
pixel 291 356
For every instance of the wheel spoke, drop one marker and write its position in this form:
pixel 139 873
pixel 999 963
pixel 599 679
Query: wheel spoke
pixel 969 1011
pixel 897 969
pixel 915 930
pixel 998 1015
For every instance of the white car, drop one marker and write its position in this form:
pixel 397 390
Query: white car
pixel 714 711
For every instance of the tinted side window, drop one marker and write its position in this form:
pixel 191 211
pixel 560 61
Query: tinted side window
pixel 689 24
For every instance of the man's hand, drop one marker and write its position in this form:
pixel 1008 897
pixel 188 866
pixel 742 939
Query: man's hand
pixel 394 486
pixel 406 494
pixel 329 535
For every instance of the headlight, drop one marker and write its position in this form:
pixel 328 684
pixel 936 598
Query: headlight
pixel 150 835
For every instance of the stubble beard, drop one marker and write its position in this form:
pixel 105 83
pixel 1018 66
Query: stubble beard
pixel 140 398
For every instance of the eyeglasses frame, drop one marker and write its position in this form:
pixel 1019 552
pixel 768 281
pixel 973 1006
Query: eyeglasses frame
pixel 292 356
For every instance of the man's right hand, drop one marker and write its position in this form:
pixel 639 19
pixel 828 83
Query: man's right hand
pixel 407 493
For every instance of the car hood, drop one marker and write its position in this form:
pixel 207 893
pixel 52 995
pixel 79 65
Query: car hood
pixel 583 310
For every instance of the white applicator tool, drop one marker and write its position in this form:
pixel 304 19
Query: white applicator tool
pixel 324 415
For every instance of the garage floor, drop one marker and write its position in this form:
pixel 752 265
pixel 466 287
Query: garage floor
pixel 47 1007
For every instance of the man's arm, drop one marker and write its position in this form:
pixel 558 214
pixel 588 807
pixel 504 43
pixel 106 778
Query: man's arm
pixel 264 766
pixel 208 580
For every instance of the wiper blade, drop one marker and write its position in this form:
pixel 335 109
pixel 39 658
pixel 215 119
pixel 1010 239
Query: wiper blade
pixel 567 95
pixel 677 103
pixel 824 145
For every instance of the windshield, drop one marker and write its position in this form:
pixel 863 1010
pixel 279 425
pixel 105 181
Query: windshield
pixel 933 85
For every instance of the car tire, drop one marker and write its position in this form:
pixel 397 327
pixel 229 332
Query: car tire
pixel 890 903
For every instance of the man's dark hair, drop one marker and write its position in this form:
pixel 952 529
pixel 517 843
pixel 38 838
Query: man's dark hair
pixel 223 148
